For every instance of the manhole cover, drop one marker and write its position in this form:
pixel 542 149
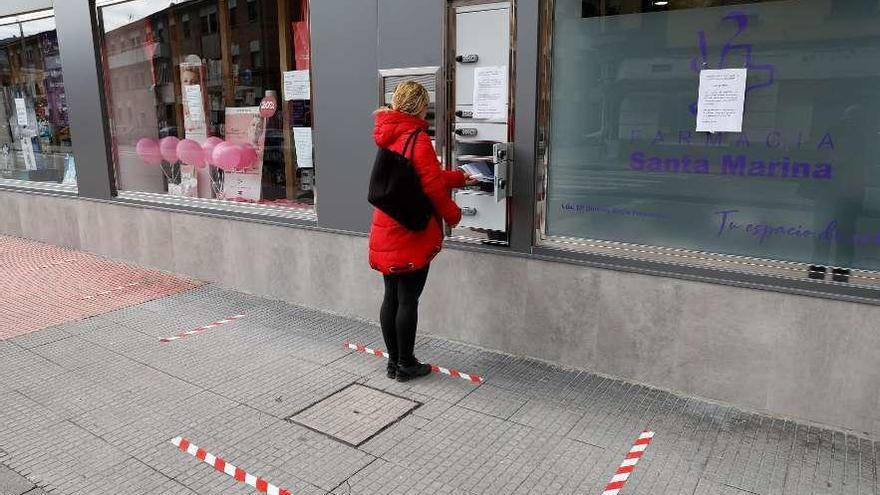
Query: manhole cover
pixel 355 414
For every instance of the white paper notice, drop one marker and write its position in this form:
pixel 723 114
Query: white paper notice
pixel 297 85
pixel 192 94
pixel 302 140
pixel 490 92
pixel 27 153
pixel 21 112
pixel 722 98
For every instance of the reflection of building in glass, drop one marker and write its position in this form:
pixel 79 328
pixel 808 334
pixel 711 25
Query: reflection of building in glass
pixel 142 58
pixel 236 57
pixel 625 84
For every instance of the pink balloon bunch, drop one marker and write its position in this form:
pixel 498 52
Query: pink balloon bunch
pixel 208 148
pixel 148 151
pixel 191 153
pixel 168 148
pixel 249 157
pixel 215 151
pixel 234 157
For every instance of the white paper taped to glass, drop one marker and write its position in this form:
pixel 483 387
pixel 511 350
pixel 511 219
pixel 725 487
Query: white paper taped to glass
pixel 722 98
pixel 490 92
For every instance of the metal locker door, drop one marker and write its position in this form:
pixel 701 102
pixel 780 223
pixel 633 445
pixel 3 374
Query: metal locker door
pixel 483 31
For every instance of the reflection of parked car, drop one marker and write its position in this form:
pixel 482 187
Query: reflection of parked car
pixel 168 131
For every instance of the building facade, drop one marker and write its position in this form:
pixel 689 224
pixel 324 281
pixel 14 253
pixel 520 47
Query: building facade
pixel 231 140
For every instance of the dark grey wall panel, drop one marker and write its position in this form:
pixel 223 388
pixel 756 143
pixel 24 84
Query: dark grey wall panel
pixel 410 33
pixel 345 87
pixel 526 98
pixel 77 39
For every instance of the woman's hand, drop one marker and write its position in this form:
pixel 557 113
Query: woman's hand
pixel 470 181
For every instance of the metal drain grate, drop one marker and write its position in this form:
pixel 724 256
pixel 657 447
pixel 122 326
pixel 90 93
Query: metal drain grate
pixel 355 414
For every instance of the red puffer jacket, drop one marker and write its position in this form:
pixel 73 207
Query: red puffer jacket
pixel 393 248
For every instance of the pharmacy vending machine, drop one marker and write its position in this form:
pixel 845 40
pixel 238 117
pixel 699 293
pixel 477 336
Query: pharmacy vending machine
pixel 479 62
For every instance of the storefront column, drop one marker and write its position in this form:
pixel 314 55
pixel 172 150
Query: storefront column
pixel 77 37
pixel 345 86
pixel 525 93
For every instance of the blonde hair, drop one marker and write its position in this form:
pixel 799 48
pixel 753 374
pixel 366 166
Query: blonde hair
pixel 410 97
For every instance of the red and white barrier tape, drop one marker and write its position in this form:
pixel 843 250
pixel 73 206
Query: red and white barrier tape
pixel 205 328
pixel 626 468
pixel 436 369
pixel 221 465
pixel 115 289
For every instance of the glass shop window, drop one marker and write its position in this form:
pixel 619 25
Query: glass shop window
pixel 214 123
pixel 800 182
pixel 35 143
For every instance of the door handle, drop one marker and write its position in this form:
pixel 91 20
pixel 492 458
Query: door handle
pixel 471 58
pixel 466 131
pixel 468 211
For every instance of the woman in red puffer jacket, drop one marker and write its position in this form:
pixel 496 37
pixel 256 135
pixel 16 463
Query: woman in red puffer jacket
pixel 401 255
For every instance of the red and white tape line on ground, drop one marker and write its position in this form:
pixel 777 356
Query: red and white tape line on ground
pixel 221 465
pixel 115 289
pixel 436 369
pixel 626 468
pixel 56 263
pixel 205 328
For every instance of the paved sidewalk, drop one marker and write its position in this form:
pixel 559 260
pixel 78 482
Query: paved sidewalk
pixel 91 407
pixel 44 285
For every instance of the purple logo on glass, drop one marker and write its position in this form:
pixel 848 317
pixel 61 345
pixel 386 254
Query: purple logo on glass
pixel 731 47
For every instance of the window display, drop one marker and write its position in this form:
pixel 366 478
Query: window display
pixel 35 139
pixel 195 90
pixel 797 180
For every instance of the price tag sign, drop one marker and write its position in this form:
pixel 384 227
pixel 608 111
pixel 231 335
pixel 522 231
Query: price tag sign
pixel 268 106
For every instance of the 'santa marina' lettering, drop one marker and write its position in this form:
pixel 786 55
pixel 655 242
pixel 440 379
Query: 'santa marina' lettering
pixel 731 165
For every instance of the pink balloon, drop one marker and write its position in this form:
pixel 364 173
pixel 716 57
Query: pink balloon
pixel 148 151
pixel 168 148
pixel 249 157
pixel 209 146
pixel 191 153
pixel 227 156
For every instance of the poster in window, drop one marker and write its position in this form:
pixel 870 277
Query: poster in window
pixel 21 112
pixel 301 113
pixel 297 85
pixel 27 153
pixel 244 125
pixel 301 45
pixel 302 139
pixel 192 82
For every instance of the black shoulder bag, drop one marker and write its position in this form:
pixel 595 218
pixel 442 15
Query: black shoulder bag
pixel 395 187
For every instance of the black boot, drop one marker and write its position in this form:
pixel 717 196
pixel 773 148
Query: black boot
pixel 416 370
pixel 392 370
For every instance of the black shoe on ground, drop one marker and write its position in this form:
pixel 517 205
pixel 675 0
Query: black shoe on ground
pixel 406 373
pixel 392 370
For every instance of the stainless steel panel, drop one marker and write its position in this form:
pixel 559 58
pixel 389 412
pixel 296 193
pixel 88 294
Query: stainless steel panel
pixel 487 213
pixel 485 33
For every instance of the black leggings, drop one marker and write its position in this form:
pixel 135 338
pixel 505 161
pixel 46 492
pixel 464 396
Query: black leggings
pixel 400 314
